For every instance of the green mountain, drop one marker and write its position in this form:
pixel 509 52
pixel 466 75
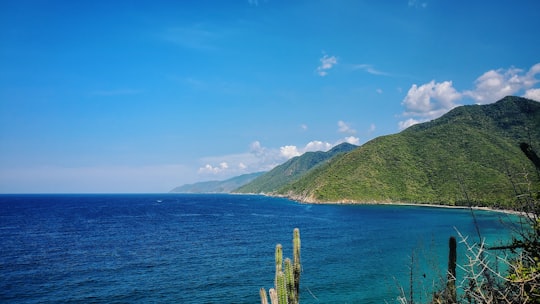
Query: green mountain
pixel 292 170
pixel 472 153
pixel 225 186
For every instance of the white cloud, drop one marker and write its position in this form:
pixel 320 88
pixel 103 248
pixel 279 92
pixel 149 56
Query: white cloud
pixel 431 100
pixel 380 91
pixel 533 94
pixel 407 123
pixel 317 145
pixel 289 151
pixel 496 84
pixel 256 148
pixel 344 127
pixel 327 62
pixel 372 128
pixel 257 158
pixel 352 140
pixel 214 170
pixel 304 127
pixel 312 146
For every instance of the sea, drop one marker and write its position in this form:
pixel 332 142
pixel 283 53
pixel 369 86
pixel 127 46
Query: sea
pixel 219 248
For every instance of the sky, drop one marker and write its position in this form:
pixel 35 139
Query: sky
pixel 143 96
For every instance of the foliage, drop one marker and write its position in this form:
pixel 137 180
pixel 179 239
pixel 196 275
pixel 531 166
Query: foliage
pixel 482 282
pixel 471 149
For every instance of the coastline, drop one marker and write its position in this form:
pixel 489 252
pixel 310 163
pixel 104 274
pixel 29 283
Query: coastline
pixel 405 204
pixel 391 203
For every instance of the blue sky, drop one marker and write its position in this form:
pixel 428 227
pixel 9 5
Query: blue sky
pixel 143 96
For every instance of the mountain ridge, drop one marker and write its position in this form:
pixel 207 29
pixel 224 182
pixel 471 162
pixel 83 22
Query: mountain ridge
pixel 470 154
pixel 292 170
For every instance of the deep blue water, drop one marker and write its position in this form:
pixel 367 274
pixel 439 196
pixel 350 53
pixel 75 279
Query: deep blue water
pixel 175 248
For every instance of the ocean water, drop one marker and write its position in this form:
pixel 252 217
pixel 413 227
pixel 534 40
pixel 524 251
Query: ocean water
pixel 177 248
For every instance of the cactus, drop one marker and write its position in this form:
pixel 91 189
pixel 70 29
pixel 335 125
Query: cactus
pixel 281 288
pixel 273 296
pixel 292 295
pixel 297 267
pixel 451 283
pixel 264 297
pixel 279 263
pixel 287 281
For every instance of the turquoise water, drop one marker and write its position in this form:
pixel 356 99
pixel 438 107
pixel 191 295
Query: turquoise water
pixel 173 248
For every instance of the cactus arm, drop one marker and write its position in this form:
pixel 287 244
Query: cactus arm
pixel 289 280
pixel 273 296
pixel 297 266
pixel 279 262
pixel 281 288
pixel 264 297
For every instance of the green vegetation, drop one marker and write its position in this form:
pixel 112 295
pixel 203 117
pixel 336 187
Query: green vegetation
pixel 464 156
pixel 287 282
pixel 292 170
pixel 481 280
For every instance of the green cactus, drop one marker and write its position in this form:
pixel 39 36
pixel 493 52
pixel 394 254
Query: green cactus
pixel 297 267
pixel 279 262
pixel 281 288
pixel 287 281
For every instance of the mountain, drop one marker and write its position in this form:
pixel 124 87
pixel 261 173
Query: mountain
pixel 471 154
pixel 292 170
pixel 225 186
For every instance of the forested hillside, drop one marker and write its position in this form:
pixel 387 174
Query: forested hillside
pixel 470 154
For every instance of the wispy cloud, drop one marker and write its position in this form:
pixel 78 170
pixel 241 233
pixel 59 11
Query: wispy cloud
pixel 433 99
pixel 327 62
pixel 369 69
pixel 344 127
pixel 214 169
pixel 417 4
